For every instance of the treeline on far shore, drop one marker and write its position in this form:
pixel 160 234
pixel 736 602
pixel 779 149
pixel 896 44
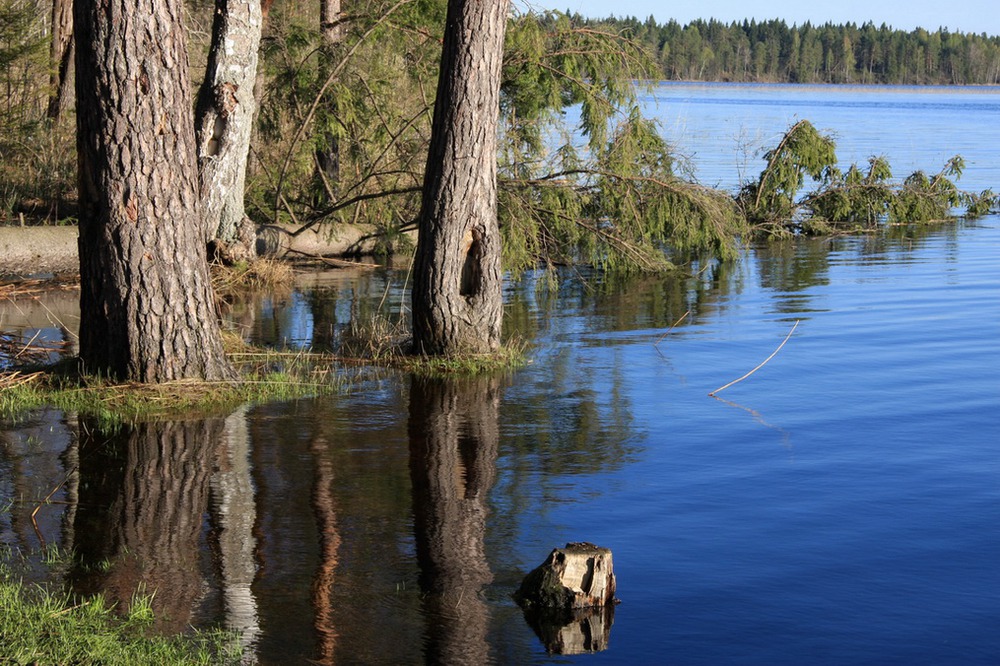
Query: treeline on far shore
pixel 773 51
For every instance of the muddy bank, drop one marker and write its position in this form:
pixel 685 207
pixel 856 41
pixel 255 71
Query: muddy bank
pixel 40 251
pixel 29 251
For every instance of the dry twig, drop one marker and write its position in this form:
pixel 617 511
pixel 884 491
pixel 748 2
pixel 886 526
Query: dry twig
pixel 762 363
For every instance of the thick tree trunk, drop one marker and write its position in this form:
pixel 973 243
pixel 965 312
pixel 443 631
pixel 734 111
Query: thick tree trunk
pixel 454 441
pixel 225 114
pixel 146 307
pixel 457 303
pixel 61 57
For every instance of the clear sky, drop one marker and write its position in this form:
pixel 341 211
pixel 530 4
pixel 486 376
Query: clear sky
pixel 956 15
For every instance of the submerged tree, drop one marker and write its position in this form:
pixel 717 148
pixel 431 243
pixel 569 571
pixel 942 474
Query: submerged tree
pixel 457 303
pixel 852 200
pixel 802 151
pixel 146 307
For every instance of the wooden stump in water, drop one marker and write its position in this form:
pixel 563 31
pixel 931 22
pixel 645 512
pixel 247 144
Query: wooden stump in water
pixel 581 575
pixel 570 599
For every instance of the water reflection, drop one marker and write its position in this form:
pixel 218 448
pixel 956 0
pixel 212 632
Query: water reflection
pixel 143 492
pixel 407 508
pixel 324 504
pixel 233 511
pixel 454 442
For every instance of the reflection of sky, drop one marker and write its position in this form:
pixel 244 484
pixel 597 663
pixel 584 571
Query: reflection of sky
pixel 290 320
pixel 37 337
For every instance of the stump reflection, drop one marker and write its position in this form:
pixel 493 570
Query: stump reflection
pixel 454 439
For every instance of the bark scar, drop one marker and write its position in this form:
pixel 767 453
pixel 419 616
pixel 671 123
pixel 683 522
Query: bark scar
pixel 472 266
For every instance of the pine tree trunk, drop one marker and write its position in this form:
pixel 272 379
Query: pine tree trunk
pixel 225 114
pixel 457 303
pixel 146 306
pixel 328 149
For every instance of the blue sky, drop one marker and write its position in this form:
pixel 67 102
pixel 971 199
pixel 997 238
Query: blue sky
pixel 956 15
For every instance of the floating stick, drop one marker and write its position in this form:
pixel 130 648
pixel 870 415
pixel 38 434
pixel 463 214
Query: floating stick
pixel 659 339
pixel 737 381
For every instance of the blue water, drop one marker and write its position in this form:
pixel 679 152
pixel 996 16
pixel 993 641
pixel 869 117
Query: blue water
pixel 841 505
pixel 725 128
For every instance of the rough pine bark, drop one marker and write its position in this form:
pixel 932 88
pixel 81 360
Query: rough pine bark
pixel 328 150
pixel 225 113
pixel 146 306
pixel 457 303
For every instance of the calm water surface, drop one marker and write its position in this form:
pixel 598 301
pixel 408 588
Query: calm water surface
pixel 841 505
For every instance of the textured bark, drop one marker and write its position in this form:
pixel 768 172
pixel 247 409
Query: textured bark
pixel 226 109
pixel 146 307
pixel 581 575
pixel 457 303
pixel 454 442
pixel 61 57
pixel 569 600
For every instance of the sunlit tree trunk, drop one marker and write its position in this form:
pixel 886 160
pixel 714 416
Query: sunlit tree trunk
pixel 146 306
pixel 454 441
pixel 457 304
pixel 225 115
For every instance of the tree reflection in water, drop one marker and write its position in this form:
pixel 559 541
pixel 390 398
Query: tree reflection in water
pixel 143 493
pixel 454 438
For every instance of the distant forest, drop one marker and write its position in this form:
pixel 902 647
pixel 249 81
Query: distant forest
pixel 771 51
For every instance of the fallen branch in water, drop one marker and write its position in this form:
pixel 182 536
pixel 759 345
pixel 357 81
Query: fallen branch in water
pixel 667 332
pixel 737 381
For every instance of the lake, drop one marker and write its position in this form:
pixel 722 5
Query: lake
pixel 839 505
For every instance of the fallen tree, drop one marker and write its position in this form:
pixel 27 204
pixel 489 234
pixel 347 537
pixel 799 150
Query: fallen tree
pixel 52 250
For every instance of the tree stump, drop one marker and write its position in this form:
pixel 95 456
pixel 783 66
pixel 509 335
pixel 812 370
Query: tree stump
pixel 569 600
pixel 581 575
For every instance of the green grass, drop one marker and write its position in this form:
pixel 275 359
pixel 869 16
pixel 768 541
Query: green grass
pixel 510 357
pixel 38 626
pixel 265 376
